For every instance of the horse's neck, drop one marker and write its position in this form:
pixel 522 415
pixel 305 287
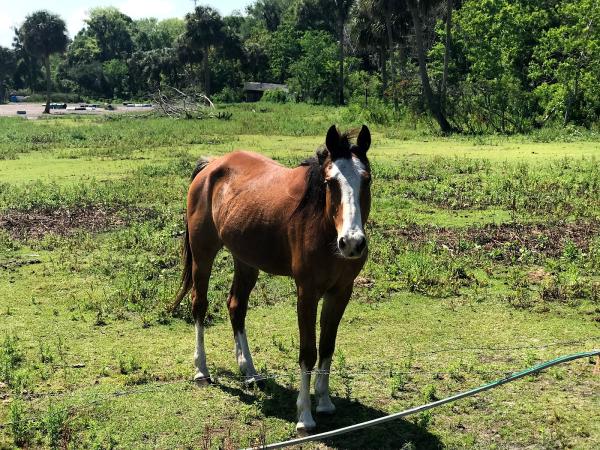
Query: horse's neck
pixel 296 186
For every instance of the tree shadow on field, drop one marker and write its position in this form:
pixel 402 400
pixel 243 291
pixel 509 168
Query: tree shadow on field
pixel 280 401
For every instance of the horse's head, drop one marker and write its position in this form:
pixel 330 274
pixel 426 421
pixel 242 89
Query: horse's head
pixel 347 178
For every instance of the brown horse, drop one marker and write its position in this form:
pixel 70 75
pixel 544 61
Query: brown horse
pixel 306 223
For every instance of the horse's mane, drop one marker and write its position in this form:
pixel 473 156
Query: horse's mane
pixel 314 194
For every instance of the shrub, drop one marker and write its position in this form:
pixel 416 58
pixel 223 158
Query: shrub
pixel 20 423
pixel 11 358
pixel 275 96
pixel 55 426
pixel 228 95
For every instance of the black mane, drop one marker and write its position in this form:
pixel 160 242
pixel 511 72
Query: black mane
pixel 314 195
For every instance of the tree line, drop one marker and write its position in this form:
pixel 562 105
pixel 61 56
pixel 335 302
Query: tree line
pixel 472 65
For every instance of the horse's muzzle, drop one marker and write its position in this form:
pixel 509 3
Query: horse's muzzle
pixel 353 245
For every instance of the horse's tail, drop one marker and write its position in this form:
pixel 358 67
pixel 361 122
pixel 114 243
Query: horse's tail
pixel 186 275
pixel 186 251
pixel 200 164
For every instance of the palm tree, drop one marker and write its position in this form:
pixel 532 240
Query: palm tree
pixel 394 15
pixel 44 34
pixel 369 33
pixel 342 8
pixel 205 28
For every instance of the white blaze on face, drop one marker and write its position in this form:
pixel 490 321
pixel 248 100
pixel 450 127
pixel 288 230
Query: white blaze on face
pixel 348 173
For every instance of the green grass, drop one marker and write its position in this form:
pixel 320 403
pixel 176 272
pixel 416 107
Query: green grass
pixel 86 346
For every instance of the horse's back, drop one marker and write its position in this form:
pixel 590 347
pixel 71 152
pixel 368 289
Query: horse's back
pixel 253 176
pixel 248 199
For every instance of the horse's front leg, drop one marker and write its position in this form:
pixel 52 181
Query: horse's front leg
pixel 307 317
pixel 334 304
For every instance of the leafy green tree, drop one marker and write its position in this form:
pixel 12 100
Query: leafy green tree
pixel 315 15
pixel 331 16
pixel 115 73
pixel 315 72
pixel 256 62
pixel 83 50
pixel 493 42
pixel 44 34
pixel 269 13
pixel 151 34
pixel 282 48
pixel 566 62
pixel 8 66
pixel 113 32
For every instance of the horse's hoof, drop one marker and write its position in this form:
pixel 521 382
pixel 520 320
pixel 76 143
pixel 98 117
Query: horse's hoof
pixel 326 408
pixel 305 427
pixel 306 423
pixel 202 380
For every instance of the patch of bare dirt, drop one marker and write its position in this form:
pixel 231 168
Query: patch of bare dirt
pixel 15 263
pixel 538 275
pixel 35 223
pixel 365 282
pixel 510 238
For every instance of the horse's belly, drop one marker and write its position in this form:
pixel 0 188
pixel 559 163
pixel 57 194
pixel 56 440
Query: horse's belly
pixel 266 254
pixel 256 238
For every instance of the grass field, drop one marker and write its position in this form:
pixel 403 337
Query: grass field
pixel 484 259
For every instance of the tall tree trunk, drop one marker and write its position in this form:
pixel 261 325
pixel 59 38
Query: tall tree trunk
pixel 341 57
pixel 388 27
pixel 48 83
pixel 447 48
pixel 432 101
pixel 30 75
pixel 384 74
pixel 206 70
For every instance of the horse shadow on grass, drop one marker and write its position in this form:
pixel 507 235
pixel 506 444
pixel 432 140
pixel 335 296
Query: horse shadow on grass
pixel 278 400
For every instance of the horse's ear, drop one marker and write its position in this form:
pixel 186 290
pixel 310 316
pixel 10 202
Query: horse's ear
pixel 322 154
pixel 332 141
pixel 363 141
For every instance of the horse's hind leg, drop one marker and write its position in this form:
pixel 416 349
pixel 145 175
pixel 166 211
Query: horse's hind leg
pixel 201 268
pixel 244 280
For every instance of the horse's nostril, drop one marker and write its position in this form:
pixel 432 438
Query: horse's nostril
pixel 360 245
pixel 342 242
